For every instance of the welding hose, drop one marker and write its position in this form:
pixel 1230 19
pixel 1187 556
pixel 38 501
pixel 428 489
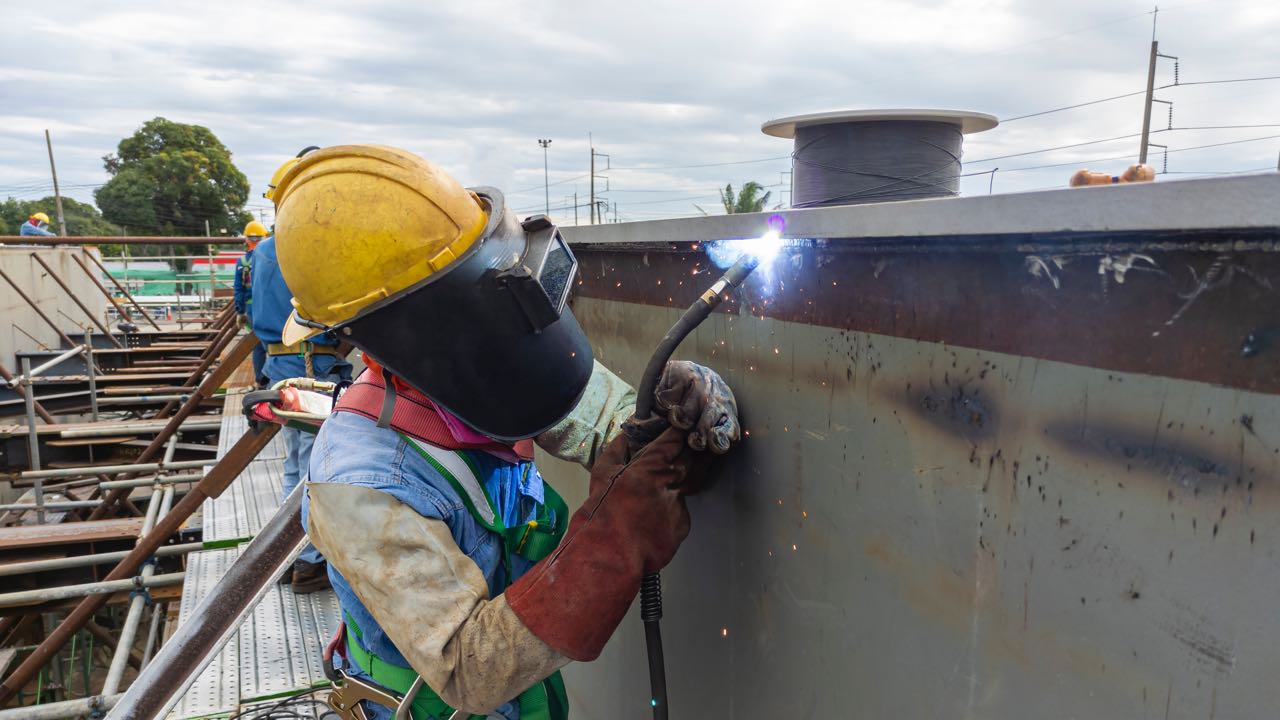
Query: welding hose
pixel 651 585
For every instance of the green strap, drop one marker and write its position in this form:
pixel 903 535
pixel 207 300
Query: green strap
pixel 546 700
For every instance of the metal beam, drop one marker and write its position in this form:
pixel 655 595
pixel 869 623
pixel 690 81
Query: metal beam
pixel 1246 201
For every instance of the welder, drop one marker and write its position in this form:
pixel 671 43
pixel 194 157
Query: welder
pixel 465 582
pixel 314 357
pixel 254 232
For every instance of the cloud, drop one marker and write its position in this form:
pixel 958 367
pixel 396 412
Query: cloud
pixel 660 84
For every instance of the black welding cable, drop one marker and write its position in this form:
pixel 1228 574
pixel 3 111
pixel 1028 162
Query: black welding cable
pixel 651 585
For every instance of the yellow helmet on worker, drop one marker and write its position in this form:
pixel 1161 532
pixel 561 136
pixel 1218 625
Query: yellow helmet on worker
pixel 270 194
pixel 442 285
pixel 41 217
pixel 254 232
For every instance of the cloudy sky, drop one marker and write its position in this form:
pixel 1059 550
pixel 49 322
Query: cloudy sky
pixel 673 92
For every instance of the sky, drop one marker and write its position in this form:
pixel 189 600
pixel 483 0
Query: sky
pixel 674 93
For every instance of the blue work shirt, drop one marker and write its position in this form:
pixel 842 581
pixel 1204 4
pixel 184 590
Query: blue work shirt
pixel 271 308
pixel 243 283
pixel 29 229
pixel 352 449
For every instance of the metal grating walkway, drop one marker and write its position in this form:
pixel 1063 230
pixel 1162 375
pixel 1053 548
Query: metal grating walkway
pixel 277 650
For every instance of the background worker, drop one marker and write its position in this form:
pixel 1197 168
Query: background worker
pixel 452 559
pixel 254 232
pixel 38 225
pixel 315 357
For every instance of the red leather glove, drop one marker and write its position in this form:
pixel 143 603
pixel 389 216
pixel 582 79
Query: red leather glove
pixel 633 521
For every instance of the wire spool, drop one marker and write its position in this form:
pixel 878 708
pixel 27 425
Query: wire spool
pixel 865 156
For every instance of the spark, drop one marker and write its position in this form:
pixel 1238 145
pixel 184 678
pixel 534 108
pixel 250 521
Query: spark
pixel 724 632
pixel 793 547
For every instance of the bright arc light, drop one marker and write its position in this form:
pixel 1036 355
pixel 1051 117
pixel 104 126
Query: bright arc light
pixel 764 249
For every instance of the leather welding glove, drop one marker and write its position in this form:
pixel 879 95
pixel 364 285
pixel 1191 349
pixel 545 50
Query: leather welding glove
pixel 695 398
pixel 631 524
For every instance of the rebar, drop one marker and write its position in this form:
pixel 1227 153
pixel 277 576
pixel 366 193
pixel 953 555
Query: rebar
pixel 75 299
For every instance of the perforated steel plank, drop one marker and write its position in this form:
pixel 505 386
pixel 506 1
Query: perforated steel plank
pixel 217 689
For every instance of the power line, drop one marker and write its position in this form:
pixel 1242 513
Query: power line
pixel 1073 107
pixel 704 165
pixel 1219 82
pixel 1125 157
pixel 1059 147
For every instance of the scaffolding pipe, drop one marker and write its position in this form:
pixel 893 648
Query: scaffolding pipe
pixel 152 634
pixel 64 710
pixel 135 399
pixel 37 371
pixel 143 482
pixel 91 368
pixel 213 485
pixel 108 469
pixel 129 631
pixel 208 386
pixel 135 428
pixel 102 588
pixel 22 390
pixel 51 506
pixel 121 240
pixel 33 441
pixel 158 688
pixel 75 299
pixel 75 561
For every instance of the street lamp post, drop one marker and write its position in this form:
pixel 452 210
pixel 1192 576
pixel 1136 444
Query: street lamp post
pixel 546 191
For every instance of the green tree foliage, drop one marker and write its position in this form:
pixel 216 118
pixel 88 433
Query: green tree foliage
pixel 748 200
pixel 170 178
pixel 82 218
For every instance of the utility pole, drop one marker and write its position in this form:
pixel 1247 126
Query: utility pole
pixel 1151 88
pixel 546 186
pixel 596 213
pixel 57 194
pixel 1146 107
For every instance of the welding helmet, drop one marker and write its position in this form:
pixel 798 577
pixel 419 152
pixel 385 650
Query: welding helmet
pixel 442 285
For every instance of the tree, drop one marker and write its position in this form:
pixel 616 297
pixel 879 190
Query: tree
pixel 169 178
pixel 748 199
pixel 82 218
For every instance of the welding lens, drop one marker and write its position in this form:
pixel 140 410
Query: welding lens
pixel 540 282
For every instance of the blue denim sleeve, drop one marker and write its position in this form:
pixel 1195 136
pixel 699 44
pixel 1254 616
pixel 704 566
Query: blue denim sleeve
pixel 353 450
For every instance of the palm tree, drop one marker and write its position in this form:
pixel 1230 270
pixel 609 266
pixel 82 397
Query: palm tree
pixel 748 199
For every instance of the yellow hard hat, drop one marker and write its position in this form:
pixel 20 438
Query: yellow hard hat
pixel 270 194
pixel 41 217
pixel 423 220
pixel 255 229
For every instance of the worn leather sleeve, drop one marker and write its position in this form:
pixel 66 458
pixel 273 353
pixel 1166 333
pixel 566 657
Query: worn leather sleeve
pixel 430 598
pixel 596 420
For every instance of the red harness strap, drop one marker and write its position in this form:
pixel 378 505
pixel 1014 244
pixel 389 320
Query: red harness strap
pixel 415 416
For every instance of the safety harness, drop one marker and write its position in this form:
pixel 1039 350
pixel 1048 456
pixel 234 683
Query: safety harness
pixel 399 687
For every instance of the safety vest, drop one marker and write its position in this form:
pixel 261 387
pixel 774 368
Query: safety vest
pixel 532 541
pixel 246 275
